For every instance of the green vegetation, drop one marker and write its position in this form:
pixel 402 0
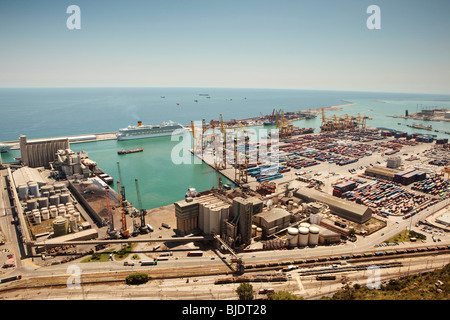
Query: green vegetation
pixel 406 235
pixel 245 291
pixel 425 286
pixel 99 256
pixel 137 278
pixel 284 295
pixel 124 252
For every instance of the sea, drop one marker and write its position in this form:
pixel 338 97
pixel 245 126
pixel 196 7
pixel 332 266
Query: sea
pixel 56 112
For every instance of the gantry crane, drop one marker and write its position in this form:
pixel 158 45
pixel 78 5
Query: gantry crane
pixel 142 212
pixel 220 161
pixel 124 232
pixel 122 188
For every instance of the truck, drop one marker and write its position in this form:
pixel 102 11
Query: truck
pixel 149 263
pixel 195 254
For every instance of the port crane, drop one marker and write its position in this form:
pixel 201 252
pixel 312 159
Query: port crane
pixel 220 162
pixel 124 231
pixel 111 231
pixel 142 212
pixel 122 187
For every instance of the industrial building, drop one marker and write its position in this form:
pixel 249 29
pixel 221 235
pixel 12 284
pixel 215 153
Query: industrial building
pixel 393 162
pixel 39 153
pixel 345 209
pixel 272 220
pixel 381 172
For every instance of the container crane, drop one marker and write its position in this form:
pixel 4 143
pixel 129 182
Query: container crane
pixel 143 227
pixel 124 232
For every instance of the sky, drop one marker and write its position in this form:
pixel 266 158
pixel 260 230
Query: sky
pixel 287 44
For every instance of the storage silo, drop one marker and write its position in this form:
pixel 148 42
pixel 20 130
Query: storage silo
pixel 258 232
pixel 60 227
pixel 313 236
pixel 37 218
pixel 45 214
pixel 304 225
pixel 23 191
pixel 34 189
pixel 53 212
pixel 32 204
pixel 77 216
pixel 42 202
pixel 214 220
pixel 254 230
pixel 73 224
pixel 292 237
pixel 64 198
pixel 206 218
pixel 59 186
pixel 303 237
pixel 54 200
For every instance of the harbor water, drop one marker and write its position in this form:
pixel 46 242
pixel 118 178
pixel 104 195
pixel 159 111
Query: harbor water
pixel 55 112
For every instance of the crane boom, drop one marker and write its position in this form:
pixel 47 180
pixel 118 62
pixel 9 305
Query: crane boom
pixel 141 211
pixel 122 189
pixel 125 231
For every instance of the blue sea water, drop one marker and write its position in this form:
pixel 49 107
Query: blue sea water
pixel 52 112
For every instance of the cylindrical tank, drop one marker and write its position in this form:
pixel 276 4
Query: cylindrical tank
pixel 313 236
pixel 259 232
pixel 23 191
pixel 64 198
pixel 73 224
pixel 45 214
pixel 53 212
pixel 54 200
pixel 304 225
pixel 42 202
pixel 254 230
pixel 37 218
pixel 34 189
pixel 61 211
pixel 47 188
pixel 303 236
pixel 60 227
pixel 214 221
pixel 292 237
pixel 77 216
pixel 59 186
pixel 32 204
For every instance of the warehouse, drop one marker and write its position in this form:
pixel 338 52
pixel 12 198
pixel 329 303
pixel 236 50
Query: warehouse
pixel 272 221
pixel 381 173
pixel 343 208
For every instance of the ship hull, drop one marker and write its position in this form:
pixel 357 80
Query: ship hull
pixel 151 135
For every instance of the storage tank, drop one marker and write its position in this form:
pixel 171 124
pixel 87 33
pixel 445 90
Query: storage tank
pixel 59 186
pixel 53 212
pixel 23 191
pixel 45 214
pixel 32 204
pixel 37 218
pixel 206 218
pixel 303 237
pixel 292 237
pixel 259 232
pixel 304 225
pixel 214 221
pixel 254 230
pixel 42 202
pixel 34 189
pixel 64 198
pixel 313 236
pixel 46 189
pixel 77 216
pixel 73 224
pixel 54 200
pixel 60 227
pixel 315 218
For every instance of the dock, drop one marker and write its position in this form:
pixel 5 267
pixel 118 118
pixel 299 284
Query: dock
pixel 72 139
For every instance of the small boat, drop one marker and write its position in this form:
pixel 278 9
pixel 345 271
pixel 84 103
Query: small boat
pixel 130 151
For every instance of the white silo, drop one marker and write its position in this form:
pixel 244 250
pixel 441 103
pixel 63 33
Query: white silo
pixel 201 216
pixel 53 212
pixel 313 236
pixel 254 230
pixel 292 237
pixel 45 214
pixel 206 218
pixel 34 189
pixel 214 220
pixel 73 224
pixel 37 218
pixel 315 218
pixel 77 216
pixel 258 232
pixel 304 225
pixel 303 236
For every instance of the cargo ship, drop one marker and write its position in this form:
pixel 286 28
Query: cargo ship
pixel 130 151
pixel 149 131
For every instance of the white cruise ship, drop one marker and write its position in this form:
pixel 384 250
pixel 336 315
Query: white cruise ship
pixel 148 131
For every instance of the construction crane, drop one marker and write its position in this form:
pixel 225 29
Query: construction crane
pixel 111 231
pixel 124 232
pixel 122 188
pixel 143 227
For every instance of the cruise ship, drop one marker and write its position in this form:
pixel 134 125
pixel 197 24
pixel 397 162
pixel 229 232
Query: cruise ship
pixel 149 131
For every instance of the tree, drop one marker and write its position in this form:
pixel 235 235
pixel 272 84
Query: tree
pixel 245 291
pixel 137 278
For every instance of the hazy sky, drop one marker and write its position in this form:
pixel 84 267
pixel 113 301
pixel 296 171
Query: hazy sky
pixel 316 44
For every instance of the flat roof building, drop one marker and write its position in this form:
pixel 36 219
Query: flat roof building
pixel 343 208
pixel 272 221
